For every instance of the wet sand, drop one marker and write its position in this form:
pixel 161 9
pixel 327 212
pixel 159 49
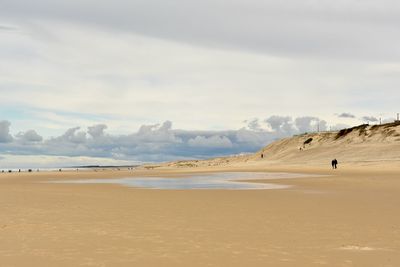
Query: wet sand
pixel 348 219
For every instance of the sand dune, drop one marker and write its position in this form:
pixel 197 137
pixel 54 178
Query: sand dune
pixel 360 145
pixel 355 145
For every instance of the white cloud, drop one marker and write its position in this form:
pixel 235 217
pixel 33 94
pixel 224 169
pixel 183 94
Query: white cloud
pixel 214 141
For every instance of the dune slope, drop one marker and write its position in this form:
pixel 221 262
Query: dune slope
pixel 363 144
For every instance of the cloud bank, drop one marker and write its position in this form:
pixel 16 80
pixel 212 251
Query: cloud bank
pixel 155 142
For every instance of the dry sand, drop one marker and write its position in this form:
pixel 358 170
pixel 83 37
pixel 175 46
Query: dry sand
pixel 348 219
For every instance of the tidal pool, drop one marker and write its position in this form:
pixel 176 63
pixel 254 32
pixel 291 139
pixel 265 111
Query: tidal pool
pixel 226 180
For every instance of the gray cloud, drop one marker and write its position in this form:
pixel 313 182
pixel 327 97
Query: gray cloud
pixel 346 115
pixel 5 136
pixel 97 131
pixel 286 125
pixel 72 135
pixel 156 142
pixel 369 119
pixel 309 124
pixel 253 124
pixel 327 28
pixel 29 136
pixel 281 124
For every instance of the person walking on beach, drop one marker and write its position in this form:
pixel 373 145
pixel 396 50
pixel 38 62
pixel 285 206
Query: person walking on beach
pixel 334 164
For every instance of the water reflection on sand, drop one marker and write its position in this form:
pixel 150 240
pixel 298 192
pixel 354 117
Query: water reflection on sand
pixel 225 180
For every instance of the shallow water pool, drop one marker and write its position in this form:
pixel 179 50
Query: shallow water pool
pixel 226 180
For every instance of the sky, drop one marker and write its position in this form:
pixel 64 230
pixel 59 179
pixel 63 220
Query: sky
pixel 118 82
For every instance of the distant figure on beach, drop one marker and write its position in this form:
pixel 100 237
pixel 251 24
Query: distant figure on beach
pixel 334 164
pixel 262 155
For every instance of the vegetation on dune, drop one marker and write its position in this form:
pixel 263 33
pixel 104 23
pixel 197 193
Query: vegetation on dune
pixel 308 141
pixel 342 133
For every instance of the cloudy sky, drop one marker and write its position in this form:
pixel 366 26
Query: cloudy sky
pixel 159 80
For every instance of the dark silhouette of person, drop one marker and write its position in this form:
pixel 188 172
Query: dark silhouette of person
pixel 334 164
pixel 262 155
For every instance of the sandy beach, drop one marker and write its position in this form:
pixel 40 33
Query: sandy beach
pixel 349 218
pixel 199 133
